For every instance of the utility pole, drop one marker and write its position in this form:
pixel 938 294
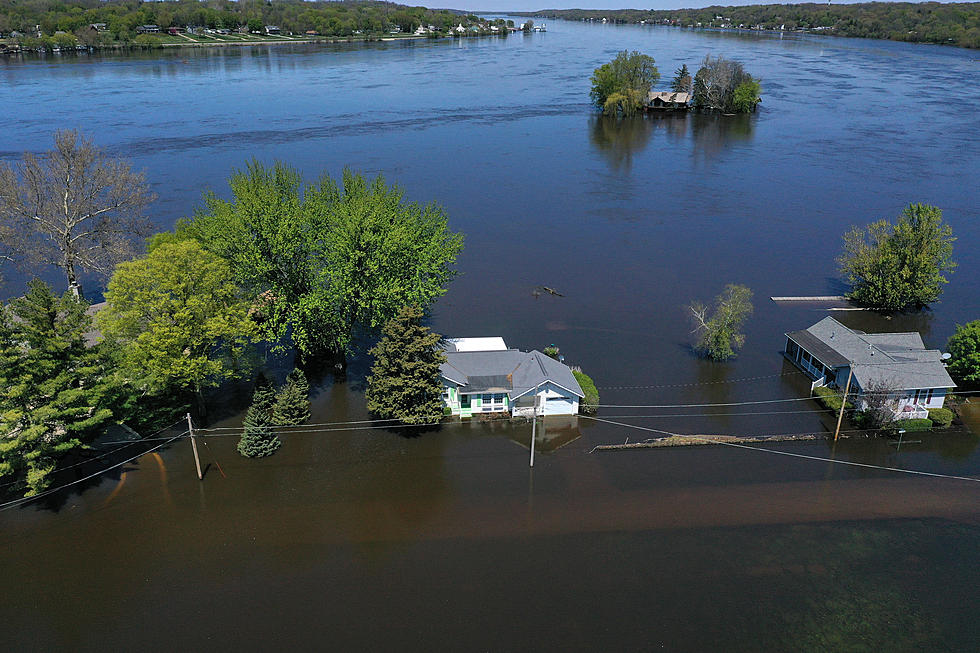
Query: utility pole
pixel 197 460
pixel 534 422
pixel 843 402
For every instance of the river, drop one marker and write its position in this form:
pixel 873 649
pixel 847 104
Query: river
pixel 361 538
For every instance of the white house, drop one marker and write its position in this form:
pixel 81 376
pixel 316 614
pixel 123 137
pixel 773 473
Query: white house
pixel 481 375
pixel 914 376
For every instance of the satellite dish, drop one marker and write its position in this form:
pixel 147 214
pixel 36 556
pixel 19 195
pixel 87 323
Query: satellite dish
pixel 946 356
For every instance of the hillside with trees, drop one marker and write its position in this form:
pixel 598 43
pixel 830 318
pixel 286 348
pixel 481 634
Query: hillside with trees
pixel 118 20
pixel 927 22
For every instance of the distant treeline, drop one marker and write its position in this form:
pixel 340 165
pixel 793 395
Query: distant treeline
pixel 122 17
pixel 927 22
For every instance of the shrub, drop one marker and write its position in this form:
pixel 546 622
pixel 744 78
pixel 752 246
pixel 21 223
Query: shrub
pixel 830 398
pixel 941 417
pixel 913 424
pixel 590 404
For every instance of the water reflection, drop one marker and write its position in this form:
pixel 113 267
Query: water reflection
pixel 619 139
pixel 713 134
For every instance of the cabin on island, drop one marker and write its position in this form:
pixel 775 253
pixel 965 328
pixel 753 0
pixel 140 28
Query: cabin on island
pixel 482 376
pixel 915 377
pixel 668 101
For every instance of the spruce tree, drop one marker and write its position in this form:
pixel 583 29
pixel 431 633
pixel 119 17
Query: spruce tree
pixel 293 403
pixel 404 382
pixel 53 389
pixel 259 439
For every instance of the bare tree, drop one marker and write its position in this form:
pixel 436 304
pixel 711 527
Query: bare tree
pixel 72 207
pixel 879 402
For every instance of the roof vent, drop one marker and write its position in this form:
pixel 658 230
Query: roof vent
pixel 871 348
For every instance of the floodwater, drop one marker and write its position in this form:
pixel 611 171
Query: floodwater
pixel 363 538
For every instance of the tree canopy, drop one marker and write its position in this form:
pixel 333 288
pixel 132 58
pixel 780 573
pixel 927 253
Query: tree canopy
pixel 720 332
pixel 952 23
pixel 326 262
pixel 53 388
pixel 177 319
pixel 404 382
pixel 723 85
pixel 621 86
pixel 964 350
pixel 72 207
pixel 902 266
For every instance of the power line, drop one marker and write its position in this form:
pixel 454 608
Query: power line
pixel 790 453
pixel 685 385
pixel 23 500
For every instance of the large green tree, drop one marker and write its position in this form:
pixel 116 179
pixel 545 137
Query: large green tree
pixel 404 381
pixel 720 331
pixel 964 350
pixel 53 388
pixel 327 262
pixel 902 266
pixel 292 405
pixel 620 87
pixel 177 320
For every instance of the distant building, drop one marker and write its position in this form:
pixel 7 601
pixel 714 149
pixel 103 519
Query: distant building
pixel 147 29
pixel 272 29
pixel 915 377
pixel 98 27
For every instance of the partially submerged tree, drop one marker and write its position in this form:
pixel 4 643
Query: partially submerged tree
pixel 902 266
pixel 723 85
pixel 53 388
pixel 292 405
pixel 325 262
pixel 259 438
pixel 720 334
pixel 404 382
pixel 877 404
pixel 73 207
pixel 964 350
pixel 620 87
pixel 177 320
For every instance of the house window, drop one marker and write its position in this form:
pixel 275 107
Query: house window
pixel 487 401
pixel 498 400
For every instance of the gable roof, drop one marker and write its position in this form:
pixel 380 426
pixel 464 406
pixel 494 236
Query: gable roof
pixel 898 360
pixel 668 96
pixel 508 370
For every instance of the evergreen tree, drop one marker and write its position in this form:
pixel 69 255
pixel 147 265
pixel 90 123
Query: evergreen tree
pixel 259 439
pixel 53 390
pixel 293 402
pixel 404 382
pixel 682 81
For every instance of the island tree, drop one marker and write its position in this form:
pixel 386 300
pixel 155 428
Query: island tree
pixel 54 390
pixel 176 320
pixel 682 82
pixel 73 207
pixel 720 331
pixel 723 85
pixel 902 266
pixel 964 350
pixel 620 87
pixel 404 381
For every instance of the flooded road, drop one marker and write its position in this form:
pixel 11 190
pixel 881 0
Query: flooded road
pixel 366 539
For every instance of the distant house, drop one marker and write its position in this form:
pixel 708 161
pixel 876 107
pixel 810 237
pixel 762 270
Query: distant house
pixel 272 29
pixel 482 376
pixel 421 31
pixel 147 29
pixel 312 32
pixel 914 376
pixel 98 27
pixel 174 31
pixel 459 29
pixel 668 101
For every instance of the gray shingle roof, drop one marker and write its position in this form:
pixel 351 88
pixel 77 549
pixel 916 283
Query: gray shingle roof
pixel 509 370
pixel 896 360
